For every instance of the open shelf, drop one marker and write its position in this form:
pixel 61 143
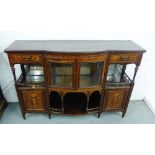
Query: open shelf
pixel 75 103
pixel 87 81
pixel 55 102
pixel 116 78
pixel 34 76
pixel 94 101
pixel 31 75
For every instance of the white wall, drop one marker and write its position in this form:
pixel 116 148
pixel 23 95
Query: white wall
pixel 82 19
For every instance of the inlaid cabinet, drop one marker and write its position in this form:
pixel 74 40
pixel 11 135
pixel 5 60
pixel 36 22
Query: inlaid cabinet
pixel 115 99
pixel 74 77
pixel 34 100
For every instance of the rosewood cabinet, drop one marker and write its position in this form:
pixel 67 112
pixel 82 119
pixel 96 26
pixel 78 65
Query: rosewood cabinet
pixel 74 76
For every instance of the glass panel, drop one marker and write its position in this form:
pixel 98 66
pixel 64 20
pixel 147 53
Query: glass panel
pixel 34 74
pixel 61 74
pixel 117 77
pixel 90 73
pixel 114 73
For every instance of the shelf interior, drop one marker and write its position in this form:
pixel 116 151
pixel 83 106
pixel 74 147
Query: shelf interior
pixel 94 100
pixel 32 74
pixel 115 78
pixel 55 100
pixel 75 103
pixel 90 73
pixel 61 74
pixel 62 80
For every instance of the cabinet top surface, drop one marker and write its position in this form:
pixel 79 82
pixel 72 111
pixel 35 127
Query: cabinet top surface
pixel 74 46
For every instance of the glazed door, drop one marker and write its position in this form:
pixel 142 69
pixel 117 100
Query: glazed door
pixel 91 71
pixel 61 73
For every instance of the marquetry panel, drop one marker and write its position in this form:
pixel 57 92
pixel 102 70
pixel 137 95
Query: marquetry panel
pixel 92 57
pixel 125 58
pixel 60 56
pixel 34 99
pixel 25 58
pixel 115 99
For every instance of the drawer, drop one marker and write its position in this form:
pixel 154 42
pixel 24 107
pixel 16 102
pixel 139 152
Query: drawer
pixel 60 57
pixel 92 57
pixel 124 58
pixel 33 100
pixel 25 58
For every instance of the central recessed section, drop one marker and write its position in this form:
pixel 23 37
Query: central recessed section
pixel 74 102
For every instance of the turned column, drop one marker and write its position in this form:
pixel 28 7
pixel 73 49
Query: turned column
pixel 130 90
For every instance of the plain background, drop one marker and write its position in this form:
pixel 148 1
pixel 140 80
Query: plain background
pixel 80 19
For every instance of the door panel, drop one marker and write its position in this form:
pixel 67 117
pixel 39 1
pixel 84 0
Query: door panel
pixel 61 73
pixel 34 100
pixel 91 70
pixel 115 99
pixel 90 74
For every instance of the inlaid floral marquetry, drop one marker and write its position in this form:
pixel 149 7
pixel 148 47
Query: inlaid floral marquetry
pixel 115 99
pixel 28 58
pixel 124 58
pixel 33 100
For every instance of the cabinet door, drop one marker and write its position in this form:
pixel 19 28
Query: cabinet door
pixel 91 70
pixel 61 72
pixel 34 100
pixel 115 99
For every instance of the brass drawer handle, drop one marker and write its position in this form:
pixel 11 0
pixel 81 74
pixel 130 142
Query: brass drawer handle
pixel 124 58
pixel 27 58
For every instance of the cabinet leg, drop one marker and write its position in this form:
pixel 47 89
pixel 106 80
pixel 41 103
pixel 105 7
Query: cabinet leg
pixel 23 114
pixel 99 114
pixel 123 113
pixel 49 115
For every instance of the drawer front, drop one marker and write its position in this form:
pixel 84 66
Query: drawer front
pixel 25 58
pixel 34 100
pixel 90 58
pixel 124 58
pixel 60 57
pixel 115 99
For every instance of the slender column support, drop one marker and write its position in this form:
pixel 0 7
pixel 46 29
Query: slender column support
pixel 123 71
pixel 23 70
pixel 13 72
pixel 18 93
pixel 130 90
pixel 62 101
pixel 135 73
pixel 88 97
